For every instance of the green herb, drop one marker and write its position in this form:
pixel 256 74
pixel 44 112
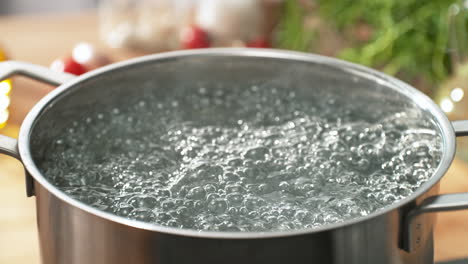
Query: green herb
pixel 408 38
pixel 293 34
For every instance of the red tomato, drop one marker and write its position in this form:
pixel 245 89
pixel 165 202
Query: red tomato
pixel 68 64
pixel 194 37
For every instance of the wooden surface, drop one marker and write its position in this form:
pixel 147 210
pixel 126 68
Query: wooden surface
pixel 42 39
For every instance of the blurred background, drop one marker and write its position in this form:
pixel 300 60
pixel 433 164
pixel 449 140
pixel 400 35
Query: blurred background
pixel 10 7
pixel 424 43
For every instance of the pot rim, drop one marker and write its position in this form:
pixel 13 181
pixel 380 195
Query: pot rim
pixel 421 100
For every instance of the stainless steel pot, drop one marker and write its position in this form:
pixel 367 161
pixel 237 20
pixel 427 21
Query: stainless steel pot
pixel 74 233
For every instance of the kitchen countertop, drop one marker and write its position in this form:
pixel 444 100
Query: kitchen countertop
pixel 42 39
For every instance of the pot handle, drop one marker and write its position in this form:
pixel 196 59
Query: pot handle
pixel 446 202
pixel 33 71
pixel 8 145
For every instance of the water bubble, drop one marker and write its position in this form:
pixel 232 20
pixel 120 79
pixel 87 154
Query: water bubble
pixel 173 223
pixel 143 214
pixel 234 189
pixel 217 206
pixel 367 150
pixel 230 176
pixel 283 185
pixel 143 201
pixel 196 193
pixel 210 188
pixel 123 209
pixel 234 199
pixel 243 211
pixel 421 174
pixel 373 134
pixel 264 188
pixel 168 205
pixel 253 203
pixel 257 153
pixel 163 193
pixel 212 196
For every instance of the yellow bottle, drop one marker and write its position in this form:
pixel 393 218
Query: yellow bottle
pixel 5 88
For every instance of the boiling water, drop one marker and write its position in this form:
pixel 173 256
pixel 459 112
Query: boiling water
pixel 257 159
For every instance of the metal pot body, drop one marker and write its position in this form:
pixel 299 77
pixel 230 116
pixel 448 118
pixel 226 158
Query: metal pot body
pixel 68 234
pixel 74 233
